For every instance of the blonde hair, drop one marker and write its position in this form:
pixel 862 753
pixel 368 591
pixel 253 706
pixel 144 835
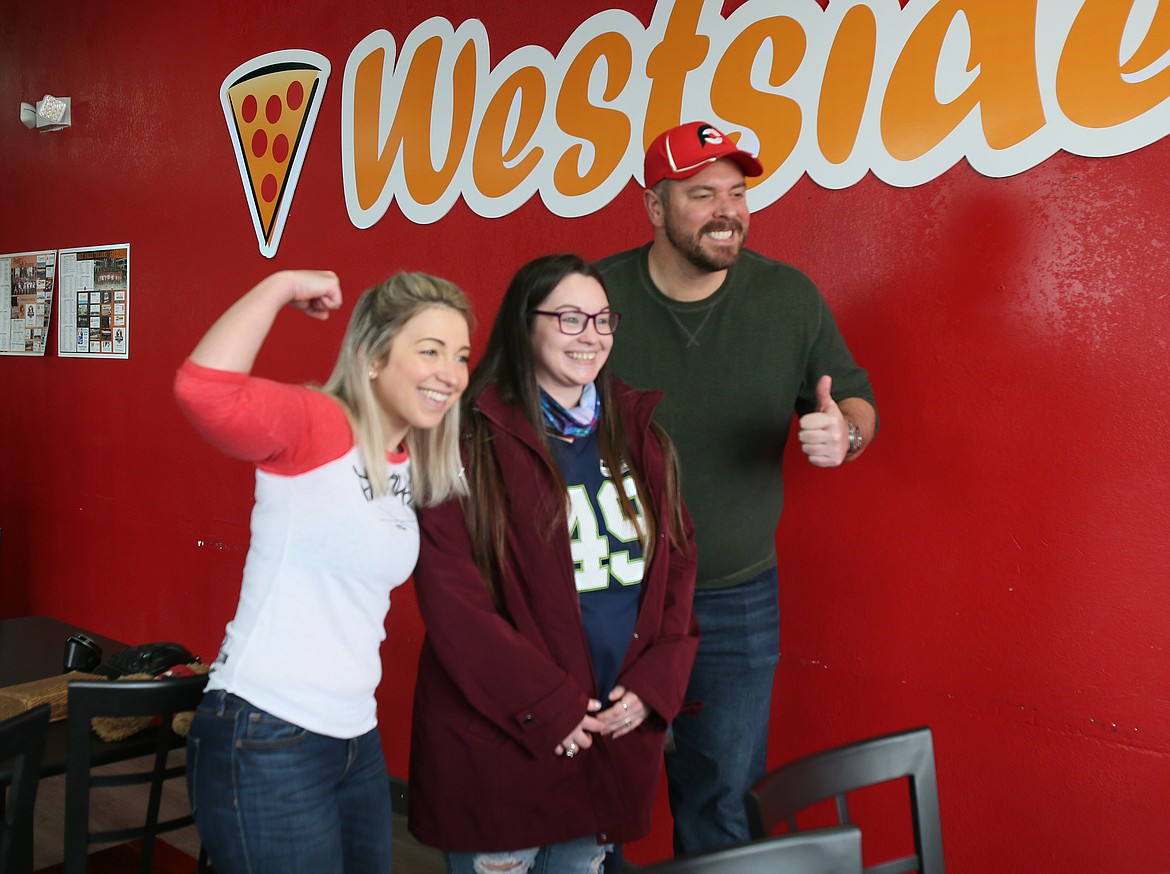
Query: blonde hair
pixel 380 313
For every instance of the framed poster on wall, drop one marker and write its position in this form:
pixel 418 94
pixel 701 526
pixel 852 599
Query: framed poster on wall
pixel 26 301
pixel 95 302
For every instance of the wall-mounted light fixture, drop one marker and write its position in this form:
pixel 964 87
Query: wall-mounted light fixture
pixel 50 113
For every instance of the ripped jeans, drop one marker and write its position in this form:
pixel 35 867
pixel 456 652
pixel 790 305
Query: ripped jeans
pixel 580 856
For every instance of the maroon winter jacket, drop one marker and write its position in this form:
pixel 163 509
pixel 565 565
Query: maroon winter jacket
pixel 494 697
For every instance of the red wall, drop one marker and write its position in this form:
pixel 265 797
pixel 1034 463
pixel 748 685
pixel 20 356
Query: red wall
pixel 994 567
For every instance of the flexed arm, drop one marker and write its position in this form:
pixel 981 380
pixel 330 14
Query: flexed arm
pixel 254 419
pixel 233 342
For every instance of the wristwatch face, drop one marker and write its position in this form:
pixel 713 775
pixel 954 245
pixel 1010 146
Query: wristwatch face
pixel 854 438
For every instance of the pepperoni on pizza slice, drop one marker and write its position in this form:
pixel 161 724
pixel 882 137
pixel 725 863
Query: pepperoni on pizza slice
pixel 271 104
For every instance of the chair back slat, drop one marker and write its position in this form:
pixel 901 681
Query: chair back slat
pixel 22 741
pixel 905 865
pixel 909 755
pixel 89 698
pixel 842 808
pixel 817 851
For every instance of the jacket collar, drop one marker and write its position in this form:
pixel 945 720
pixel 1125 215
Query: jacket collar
pixel 638 405
pixel 504 415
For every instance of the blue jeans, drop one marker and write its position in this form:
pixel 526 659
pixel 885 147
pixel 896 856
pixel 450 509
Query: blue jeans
pixel 721 751
pixel 272 798
pixel 580 856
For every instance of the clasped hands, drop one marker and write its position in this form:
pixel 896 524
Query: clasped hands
pixel 625 713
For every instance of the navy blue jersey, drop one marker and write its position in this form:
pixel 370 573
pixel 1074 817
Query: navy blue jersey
pixel 607 554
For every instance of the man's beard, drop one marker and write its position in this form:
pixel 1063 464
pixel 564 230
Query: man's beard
pixel 709 262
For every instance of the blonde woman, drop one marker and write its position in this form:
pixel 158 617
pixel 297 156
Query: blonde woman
pixel 286 767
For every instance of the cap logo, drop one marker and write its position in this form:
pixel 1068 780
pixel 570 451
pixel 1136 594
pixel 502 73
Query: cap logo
pixel 708 136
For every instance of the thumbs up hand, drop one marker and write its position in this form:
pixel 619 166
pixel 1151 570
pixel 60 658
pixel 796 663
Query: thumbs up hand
pixel 824 435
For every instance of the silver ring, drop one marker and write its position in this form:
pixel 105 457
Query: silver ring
pixel 570 753
pixel 628 721
pixel 625 706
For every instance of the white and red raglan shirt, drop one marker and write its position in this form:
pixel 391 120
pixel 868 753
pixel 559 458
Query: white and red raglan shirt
pixel 324 553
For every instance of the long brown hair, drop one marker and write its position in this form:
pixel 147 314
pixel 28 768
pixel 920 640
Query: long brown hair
pixel 508 363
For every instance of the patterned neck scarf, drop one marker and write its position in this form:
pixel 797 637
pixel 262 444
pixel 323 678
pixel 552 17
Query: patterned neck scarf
pixel 577 422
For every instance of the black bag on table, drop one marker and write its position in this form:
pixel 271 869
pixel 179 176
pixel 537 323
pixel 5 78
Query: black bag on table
pixel 146 658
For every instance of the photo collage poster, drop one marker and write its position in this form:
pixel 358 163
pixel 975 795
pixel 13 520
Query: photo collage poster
pixel 95 302
pixel 26 301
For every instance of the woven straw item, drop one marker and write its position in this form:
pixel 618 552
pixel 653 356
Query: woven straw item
pixel 51 690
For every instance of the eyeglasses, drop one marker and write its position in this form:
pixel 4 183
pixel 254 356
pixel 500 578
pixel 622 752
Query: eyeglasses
pixel 575 322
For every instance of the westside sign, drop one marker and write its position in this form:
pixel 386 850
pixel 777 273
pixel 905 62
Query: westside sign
pixel 860 86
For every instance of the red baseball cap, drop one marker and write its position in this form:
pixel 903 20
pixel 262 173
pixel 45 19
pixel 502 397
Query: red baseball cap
pixel 683 151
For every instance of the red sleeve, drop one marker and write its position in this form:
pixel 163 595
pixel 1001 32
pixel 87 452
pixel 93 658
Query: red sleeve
pixel 283 429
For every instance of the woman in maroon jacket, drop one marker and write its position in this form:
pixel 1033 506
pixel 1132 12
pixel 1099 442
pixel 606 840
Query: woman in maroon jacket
pixel 557 598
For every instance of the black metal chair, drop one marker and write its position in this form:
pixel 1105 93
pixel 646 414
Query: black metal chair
pixel 22 741
pixel 817 851
pixel 155 698
pixel 795 787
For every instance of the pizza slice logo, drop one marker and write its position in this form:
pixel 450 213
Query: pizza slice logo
pixel 271 104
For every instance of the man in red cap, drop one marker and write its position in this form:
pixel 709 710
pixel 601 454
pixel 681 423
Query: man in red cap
pixel 738 343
